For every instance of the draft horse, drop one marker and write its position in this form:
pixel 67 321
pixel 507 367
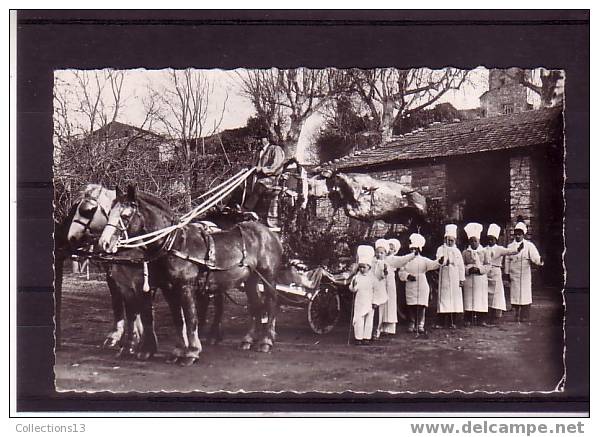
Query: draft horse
pixel 133 331
pixel 189 262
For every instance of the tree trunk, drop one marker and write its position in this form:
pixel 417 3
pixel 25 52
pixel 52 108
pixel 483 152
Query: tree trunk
pixel 387 120
pixel 295 129
pixel 187 183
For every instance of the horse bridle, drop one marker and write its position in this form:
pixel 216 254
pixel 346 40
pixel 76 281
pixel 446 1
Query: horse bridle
pixel 123 224
pixel 93 201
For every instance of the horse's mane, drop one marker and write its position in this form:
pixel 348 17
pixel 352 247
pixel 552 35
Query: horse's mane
pixel 156 202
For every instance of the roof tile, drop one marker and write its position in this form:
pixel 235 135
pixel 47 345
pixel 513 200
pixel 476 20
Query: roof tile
pixel 487 134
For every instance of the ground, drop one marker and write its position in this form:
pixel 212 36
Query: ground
pixel 509 357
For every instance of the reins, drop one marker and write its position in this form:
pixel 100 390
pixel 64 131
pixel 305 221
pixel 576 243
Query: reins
pixel 220 192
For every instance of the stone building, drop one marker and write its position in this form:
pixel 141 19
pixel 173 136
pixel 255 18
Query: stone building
pixel 506 94
pixel 494 169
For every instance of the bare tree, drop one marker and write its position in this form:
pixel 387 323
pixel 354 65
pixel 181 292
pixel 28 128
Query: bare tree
pixel 389 94
pixel 547 89
pixel 183 111
pixel 286 98
pixel 87 148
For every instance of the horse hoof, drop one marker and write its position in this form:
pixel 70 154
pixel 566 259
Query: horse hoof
pixel 265 348
pixel 245 346
pixel 187 361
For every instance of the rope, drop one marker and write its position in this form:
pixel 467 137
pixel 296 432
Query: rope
pixel 151 237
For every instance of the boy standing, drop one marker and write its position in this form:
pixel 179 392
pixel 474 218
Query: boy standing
pixel 495 254
pixel 476 294
pixel 380 272
pixel 451 278
pixel 389 309
pixel 363 285
pixel 518 268
pixel 417 288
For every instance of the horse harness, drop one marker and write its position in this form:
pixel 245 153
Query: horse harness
pixel 209 260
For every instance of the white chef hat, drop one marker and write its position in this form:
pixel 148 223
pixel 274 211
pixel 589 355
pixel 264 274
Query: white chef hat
pixel 365 254
pixel 417 240
pixel 396 245
pixel 451 230
pixel 381 242
pixel 521 226
pixel 493 231
pixel 473 230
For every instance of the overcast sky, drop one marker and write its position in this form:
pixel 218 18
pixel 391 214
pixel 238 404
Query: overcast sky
pixel 238 107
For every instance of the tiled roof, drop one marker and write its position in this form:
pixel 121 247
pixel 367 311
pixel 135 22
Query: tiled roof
pixel 524 129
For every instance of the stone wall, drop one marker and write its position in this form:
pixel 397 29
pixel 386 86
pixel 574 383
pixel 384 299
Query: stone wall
pixel 524 193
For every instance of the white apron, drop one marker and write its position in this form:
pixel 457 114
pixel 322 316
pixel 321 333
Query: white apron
pixel 450 275
pixel 417 291
pixel 518 267
pixel 495 256
pixel 363 286
pixel 476 297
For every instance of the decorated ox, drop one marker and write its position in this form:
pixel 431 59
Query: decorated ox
pixel 368 199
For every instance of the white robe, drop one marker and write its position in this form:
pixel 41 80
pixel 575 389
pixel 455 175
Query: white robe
pixel 518 267
pixel 388 310
pixel 379 266
pixel 417 291
pixel 495 256
pixel 363 286
pixel 450 275
pixel 476 297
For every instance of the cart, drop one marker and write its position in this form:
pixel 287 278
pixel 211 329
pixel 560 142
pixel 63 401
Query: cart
pixel 322 293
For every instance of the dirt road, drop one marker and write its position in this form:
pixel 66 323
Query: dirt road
pixel 509 357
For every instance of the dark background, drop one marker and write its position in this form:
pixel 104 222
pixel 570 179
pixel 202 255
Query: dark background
pixel 48 40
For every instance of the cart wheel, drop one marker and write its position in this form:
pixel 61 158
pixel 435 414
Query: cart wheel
pixel 324 309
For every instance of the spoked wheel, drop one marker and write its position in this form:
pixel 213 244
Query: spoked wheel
pixel 324 309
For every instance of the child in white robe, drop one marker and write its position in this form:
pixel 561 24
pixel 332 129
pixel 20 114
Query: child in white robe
pixel 496 254
pixel 363 284
pixel 451 279
pixel 476 294
pixel 518 268
pixel 417 288
pixel 380 271
pixel 389 309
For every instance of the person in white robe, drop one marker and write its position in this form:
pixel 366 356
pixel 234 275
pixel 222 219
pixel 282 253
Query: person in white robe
pixel 402 307
pixel 495 255
pixel 476 295
pixel 518 268
pixel 380 271
pixel 363 284
pixel 417 287
pixel 394 262
pixel 451 279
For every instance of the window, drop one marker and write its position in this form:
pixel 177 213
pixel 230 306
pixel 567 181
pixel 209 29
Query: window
pixel 508 108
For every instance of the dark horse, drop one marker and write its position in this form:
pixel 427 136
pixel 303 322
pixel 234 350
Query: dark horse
pixel 133 330
pixel 188 262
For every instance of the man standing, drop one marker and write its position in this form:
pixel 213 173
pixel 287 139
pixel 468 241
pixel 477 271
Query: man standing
pixel 518 268
pixel 269 166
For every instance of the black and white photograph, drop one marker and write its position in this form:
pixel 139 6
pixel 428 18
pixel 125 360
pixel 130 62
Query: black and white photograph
pixel 328 230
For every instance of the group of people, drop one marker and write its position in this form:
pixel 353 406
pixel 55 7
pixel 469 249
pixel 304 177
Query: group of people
pixel 470 282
